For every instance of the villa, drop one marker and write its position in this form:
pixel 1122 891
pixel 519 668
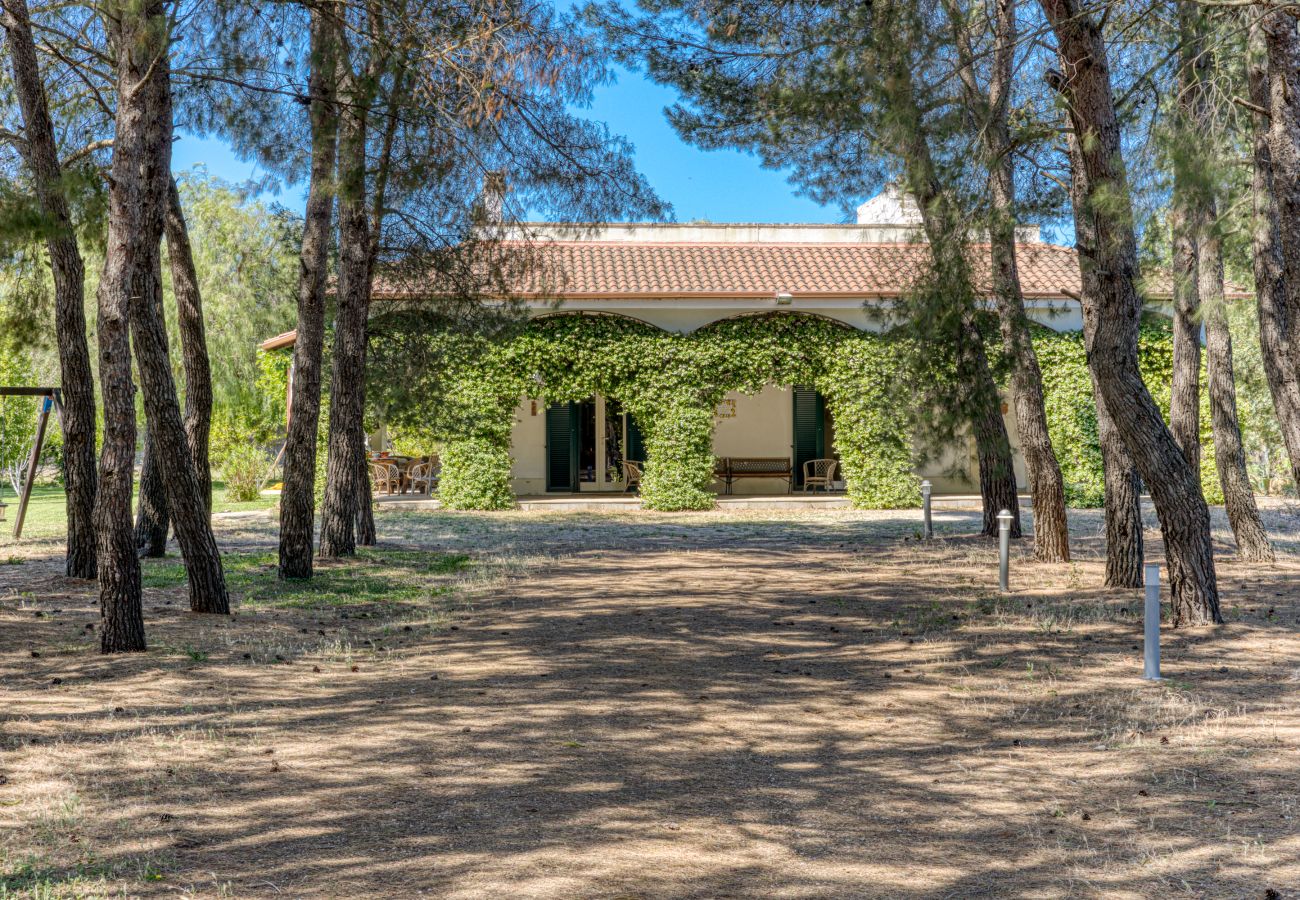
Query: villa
pixel 681 278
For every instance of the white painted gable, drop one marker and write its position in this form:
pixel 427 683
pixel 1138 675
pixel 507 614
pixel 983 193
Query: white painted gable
pixel 892 206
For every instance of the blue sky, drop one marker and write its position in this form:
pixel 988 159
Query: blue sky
pixel 718 185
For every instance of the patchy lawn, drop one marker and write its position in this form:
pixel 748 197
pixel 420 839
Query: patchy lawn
pixel 47 516
pixel 642 705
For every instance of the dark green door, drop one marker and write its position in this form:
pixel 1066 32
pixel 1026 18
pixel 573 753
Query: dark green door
pixel 809 429
pixel 635 442
pixel 562 447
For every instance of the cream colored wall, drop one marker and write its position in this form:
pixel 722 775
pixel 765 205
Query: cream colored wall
pixel 763 425
pixel 528 448
pixel 955 469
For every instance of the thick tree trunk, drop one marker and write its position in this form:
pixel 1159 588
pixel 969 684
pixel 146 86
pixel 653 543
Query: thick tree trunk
pixel 151 523
pixel 78 384
pixel 1123 500
pixel 345 478
pixel 194 343
pixel 298 497
pixel 1122 486
pixel 146 90
pixel 1279 315
pixel 129 278
pixel 1113 316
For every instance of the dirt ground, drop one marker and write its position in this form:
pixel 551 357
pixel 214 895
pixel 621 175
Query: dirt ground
pixel 652 706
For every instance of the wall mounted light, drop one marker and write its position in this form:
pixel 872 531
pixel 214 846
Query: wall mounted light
pixel 784 298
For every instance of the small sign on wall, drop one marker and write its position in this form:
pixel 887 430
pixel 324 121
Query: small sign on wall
pixel 726 409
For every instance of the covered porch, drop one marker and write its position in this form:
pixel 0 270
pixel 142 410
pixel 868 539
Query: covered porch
pixel 778 442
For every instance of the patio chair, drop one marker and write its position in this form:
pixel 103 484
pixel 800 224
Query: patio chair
pixel 632 475
pixel 819 473
pixel 423 474
pixel 386 476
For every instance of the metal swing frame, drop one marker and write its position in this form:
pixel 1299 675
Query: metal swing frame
pixel 53 400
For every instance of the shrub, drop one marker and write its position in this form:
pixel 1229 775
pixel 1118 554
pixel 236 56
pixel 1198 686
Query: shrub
pixel 243 466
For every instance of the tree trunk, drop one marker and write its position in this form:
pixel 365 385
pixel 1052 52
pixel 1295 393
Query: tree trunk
pixel 345 467
pixel 194 343
pixel 1123 500
pixel 1185 382
pixel 1051 525
pixel 366 535
pixel 1191 217
pixel 1282 45
pixel 298 496
pixel 1229 456
pixel 151 523
pixel 1047 487
pixel 78 384
pixel 146 91
pixel 1122 486
pixel 1113 315
pixel 1279 317
pixel 992 445
pixel 127 275
pixel 945 233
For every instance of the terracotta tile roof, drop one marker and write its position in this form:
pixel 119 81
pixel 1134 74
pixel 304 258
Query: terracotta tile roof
pixel 594 269
pixel 667 270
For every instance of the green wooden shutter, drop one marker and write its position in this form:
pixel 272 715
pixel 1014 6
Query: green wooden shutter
pixel 809 429
pixel 635 442
pixel 561 447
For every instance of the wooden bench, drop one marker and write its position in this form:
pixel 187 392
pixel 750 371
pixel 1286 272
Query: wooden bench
pixel 736 467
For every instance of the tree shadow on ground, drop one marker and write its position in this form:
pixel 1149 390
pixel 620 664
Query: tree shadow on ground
pixel 763 709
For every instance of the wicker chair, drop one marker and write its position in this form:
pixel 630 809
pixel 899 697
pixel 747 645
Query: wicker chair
pixel 632 475
pixel 819 473
pixel 423 474
pixel 386 476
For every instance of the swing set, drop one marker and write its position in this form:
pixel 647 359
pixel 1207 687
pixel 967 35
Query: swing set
pixel 52 400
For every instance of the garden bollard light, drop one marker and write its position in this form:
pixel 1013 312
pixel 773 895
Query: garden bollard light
pixel 1004 550
pixel 928 530
pixel 1151 624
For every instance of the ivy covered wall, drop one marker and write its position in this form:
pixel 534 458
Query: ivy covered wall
pixel 1072 412
pixel 672 384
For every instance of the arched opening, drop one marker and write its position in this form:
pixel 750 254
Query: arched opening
pixel 774 431
pixel 578 439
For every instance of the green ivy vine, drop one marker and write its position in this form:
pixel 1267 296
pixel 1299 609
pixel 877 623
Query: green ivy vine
pixel 461 391
pixel 1072 412
pixel 671 384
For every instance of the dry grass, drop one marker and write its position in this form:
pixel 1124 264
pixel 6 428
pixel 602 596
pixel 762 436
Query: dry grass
pixel 713 705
